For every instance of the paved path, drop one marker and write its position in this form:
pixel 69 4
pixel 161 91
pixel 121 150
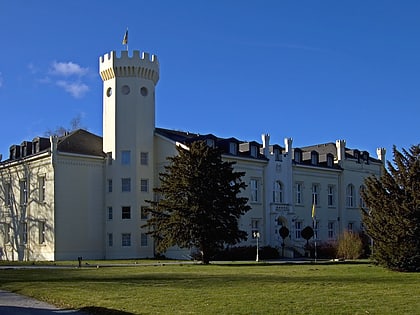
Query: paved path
pixel 16 304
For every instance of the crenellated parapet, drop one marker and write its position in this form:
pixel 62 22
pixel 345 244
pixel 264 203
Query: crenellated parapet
pixel 144 66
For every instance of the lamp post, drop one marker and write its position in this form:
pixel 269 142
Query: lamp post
pixel 256 235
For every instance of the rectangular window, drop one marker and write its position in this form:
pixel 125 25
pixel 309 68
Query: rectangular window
pixel 5 232
pixel 23 192
pixel 144 185
pixel 126 239
pixel 109 183
pixel 330 195
pixel 143 214
pixel 125 213
pixel 143 239
pixel 331 230
pixel 41 232
pixel 8 194
pixel 316 229
pixel 315 194
pixel 24 233
pixel 110 213
pixel 361 201
pixel 144 158
pixel 298 229
pixel 298 193
pixel 254 190
pixel 41 188
pixel 125 184
pixel 350 196
pixel 125 157
pixel 278 192
pixel 350 227
pixel 110 240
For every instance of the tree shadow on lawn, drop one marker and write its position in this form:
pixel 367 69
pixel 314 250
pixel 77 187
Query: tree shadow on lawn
pixel 96 310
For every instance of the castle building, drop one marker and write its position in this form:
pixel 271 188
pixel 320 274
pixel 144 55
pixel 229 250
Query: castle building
pixel 82 195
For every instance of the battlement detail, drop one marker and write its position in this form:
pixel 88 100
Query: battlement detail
pixel 144 66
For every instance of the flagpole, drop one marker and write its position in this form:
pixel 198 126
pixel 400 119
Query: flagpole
pixel 125 39
pixel 314 227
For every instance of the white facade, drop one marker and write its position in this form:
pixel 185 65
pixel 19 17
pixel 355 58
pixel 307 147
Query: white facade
pixel 84 196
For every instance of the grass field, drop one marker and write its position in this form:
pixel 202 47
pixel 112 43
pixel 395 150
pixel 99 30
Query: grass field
pixel 223 289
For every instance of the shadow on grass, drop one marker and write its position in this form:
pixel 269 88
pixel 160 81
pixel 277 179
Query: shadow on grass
pixel 289 263
pixel 96 310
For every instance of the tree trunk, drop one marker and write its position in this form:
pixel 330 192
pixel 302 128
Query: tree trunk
pixel 205 259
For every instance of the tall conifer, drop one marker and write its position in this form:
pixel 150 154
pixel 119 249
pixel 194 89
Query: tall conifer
pixel 197 202
pixel 392 213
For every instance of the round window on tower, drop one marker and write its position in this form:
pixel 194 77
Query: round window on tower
pixel 125 89
pixel 109 92
pixel 143 91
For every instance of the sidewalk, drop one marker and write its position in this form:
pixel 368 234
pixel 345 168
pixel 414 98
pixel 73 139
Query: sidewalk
pixel 16 304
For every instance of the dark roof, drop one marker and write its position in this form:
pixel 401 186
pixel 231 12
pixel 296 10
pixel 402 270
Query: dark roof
pixel 222 143
pixel 81 142
pixel 324 149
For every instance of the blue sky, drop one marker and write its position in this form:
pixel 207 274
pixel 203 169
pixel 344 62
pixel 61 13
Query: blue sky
pixel 316 71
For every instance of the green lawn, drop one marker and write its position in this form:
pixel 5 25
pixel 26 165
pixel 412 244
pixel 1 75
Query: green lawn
pixel 223 289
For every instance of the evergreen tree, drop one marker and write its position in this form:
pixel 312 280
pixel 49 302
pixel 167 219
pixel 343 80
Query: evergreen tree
pixel 392 213
pixel 197 202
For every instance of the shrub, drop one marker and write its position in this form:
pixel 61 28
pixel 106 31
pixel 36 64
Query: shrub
pixel 350 246
pixel 324 250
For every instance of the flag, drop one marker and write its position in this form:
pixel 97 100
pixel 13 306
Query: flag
pixel 313 210
pixel 125 39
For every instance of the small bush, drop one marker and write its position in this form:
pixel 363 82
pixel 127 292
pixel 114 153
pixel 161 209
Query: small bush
pixel 350 246
pixel 324 250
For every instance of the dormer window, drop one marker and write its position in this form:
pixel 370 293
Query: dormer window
pixel 210 143
pixel 330 160
pixel 253 151
pixel 277 155
pixel 366 157
pixel 357 155
pixel 298 156
pixel 314 158
pixel 233 148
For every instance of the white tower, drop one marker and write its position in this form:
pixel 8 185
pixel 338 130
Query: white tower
pixel 128 139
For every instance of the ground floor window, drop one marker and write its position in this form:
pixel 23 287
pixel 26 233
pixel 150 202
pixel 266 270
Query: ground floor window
pixel 331 230
pixel 126 239
pixel 298 229
pixel 143 241
pixel 110 240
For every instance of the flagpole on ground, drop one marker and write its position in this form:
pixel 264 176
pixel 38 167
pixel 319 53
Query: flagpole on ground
pixel 314 227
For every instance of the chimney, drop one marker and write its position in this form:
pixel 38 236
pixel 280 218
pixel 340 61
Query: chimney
pixel 266 143
pixel 381 154
pixel 288 144
pixel 341 149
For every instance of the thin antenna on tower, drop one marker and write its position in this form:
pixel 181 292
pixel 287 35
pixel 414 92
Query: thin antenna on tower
pixel 125 39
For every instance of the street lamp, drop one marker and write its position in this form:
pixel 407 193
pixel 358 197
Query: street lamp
pixel 256 235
